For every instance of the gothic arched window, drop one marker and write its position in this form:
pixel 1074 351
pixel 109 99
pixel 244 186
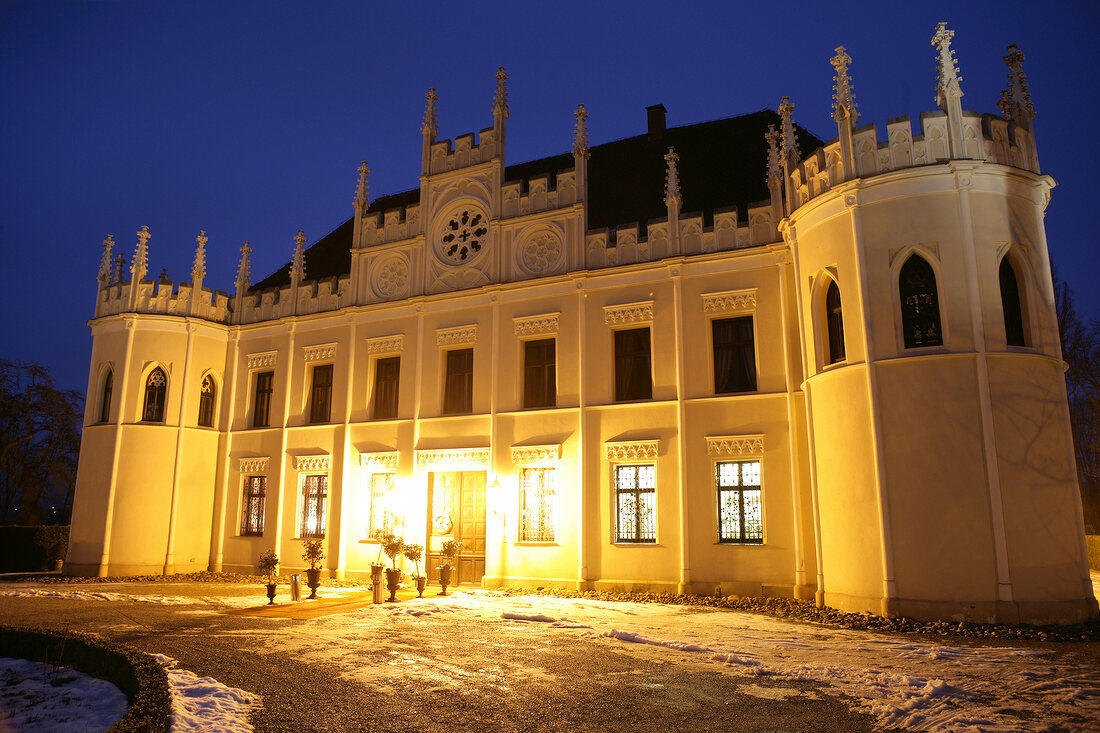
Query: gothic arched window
pixel 1010 303
pixel 835 322
pixel 207 393
pixel 105 397
pixel 920 304
pixel 156 387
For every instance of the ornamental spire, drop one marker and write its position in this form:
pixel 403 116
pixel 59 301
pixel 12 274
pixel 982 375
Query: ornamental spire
pixel 105 262
pixel 198 269
pixel 362 191
pixel 947 68
pixel 140 263
pixel 672 179
pixel 788 142
pixel 1015 104
pixel 844 98
pixel 775 170
pixel 118 266
pixel 430 128
pixel 298 264
pixel 580 132
pixel 500 97
pixel 244 269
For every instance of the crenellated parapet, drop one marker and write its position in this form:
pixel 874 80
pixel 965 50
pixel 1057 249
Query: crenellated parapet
pixel 464 152
pixel 393 225
pixel 164 298
pixel 308 297
pixel 539 193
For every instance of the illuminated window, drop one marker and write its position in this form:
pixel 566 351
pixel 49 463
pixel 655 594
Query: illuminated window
pixel 633 378
pixel 320 398
pixel 207 393
pixel 262 407
pixel 834 319
pixel 536 505
pixel 379 517
pixel 252 506
pixel 314 493
pixel 1010 303
pixel 734 355
pixel 105 401
pixel 920 304
pixel 740 511
pixel 458 394
pixel 387 374
pixel 539 389
pixel 156 387
pixel 636 503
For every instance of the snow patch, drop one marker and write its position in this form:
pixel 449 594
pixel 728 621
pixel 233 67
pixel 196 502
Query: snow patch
pixel 80 595
pixel 37 697
pixel 204 704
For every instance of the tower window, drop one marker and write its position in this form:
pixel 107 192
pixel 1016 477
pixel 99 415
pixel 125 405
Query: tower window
pixel 834 318
pixel 633 376
pixel 458 391
pixel 920 304
pixel 105 401
pixel 262 408
pixel 1010 303
pixel 387 380
pixel 539 388
pixel 320 400
pixel 156 388
pixel 207 393
pixel 734 355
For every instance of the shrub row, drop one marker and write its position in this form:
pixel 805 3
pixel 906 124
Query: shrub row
pixel 32 547
pixel 139 676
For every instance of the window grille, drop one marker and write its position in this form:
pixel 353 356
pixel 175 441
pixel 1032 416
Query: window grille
pixel 636 503
pixel 379 518
pixel 252 508
pixel 539 388
pixel 834 317
pixel 734 355
pixel 387 380
pixel 262 407
pixel 920 304
pixel 207 393
pixel 320 403
pixel 1010 304
pixel 633 375
pixel 536 492
pixel 740 508
pixel 156 386
pixel 105 404
pixel 314 493
pixel 458 394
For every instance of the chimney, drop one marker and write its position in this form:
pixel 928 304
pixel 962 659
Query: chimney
pixel 656 116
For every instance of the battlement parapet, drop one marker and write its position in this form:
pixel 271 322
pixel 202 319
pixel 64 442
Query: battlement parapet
pixel 539 193
pixel 466 152
pixel 393 225
pixel 165 298
pixel 313 296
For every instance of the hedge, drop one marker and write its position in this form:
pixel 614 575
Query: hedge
pixel 32 547
pixel 1093 541
pixel 138 675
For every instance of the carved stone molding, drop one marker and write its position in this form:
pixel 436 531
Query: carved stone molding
pixel 621 315
pixel 313 463
pixel 531 454
pixel 380 461
pixel 386 344
pixel 457 336
pixel 631 450
pixel 319 352
pixel 261 360
pixel 540 252
pixel 729 301
pixel 457 457
pixel 541 325
pixel 253 464
pixel 735 445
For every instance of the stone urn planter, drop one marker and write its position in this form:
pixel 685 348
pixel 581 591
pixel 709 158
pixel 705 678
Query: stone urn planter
pixel 268 567
pixel 414 553
pixel 313 552
pixel 421 584
pixel 313 580
pixel 393 582
pixel 444 578
pixel 271 594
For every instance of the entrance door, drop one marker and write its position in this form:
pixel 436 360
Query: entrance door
pixel 456 511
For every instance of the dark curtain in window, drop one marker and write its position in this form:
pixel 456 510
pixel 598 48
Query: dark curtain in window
pixel 262 407
pixel 920 304
pixel 835 319
pixel 458 394
pixel 320 403
pixel 105 404
pixel 1010 303
pixel 633 376
pixel 539 388
pixel 387 380
pixel 207 393
pixel 156 387
pixel 734 355
pixel 252 508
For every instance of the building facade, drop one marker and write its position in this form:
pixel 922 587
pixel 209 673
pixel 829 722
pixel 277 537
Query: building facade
pixel 685 361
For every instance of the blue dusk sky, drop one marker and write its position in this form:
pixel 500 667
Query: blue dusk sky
pixel 249 119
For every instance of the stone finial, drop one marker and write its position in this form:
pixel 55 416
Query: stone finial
pixel 788 150
pixel 1015 103
pixel 580 132
pixel 430 127
pixel 844 98
pixel 164 276
pixel 105 262
pixel 362 191
pixel 244 269
pixel 140 263
pixel 298 264
pixel 500 97
pixel 672 178
pixel 775 169
pixel 947 69
pixel 198 269
pixel 119 266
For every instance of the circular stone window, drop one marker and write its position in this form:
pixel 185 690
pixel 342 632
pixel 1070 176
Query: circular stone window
pixel 464 235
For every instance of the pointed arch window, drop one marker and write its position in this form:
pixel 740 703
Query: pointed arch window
pixel 1010 303
pixel 208 393
pixel 105 397
pixel 920 304
pixel 156 388
pixel 834 319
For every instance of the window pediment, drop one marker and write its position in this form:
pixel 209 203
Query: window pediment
pixel 527 455
pixel 319 352
pixel 729 301
pixel 735 445
pixel 382 461
pixel 456 336
pixel 545 324
pixel 313 463
pixel 640 313
pixel 253 464
pixel 631 450
pixel 261 360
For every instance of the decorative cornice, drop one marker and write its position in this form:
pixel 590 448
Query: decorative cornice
pixel 384 461
pixel 544 324
pixel 457 336
pixel 531 454
pixel 621 315
pixel 729 301
pixel 386 344
pixel 735 445
pixel 313 463
pixel 460 456
pixel 253 464
pixel 631 450
pixel 261 359
pixel 319 352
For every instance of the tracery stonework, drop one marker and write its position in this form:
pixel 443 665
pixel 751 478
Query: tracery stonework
pixel 540 253
pixel 312 463
pixel 729 301
pixel 621 315
pixel 527 455
pixel 631 450
pixel 735 445
pixel 465 234
pixel 253 464
pixel 391 277
pixel 541 325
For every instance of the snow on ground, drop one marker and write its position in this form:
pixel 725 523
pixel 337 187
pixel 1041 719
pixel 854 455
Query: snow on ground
pixel 204 704
pixel 93 596
pixel 37 697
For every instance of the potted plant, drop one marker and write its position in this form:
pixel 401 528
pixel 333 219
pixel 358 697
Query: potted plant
pixel 414 553
pixel 269 568
pixel 451 548
pixel 376 568
pixel 392 545
pixel 313 552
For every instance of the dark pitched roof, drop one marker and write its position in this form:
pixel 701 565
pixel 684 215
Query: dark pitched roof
pixel 722 163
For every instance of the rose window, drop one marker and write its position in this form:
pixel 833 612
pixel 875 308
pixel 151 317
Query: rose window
pixel 464 235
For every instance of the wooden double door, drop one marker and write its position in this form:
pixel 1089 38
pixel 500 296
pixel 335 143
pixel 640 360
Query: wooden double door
pixel 456 511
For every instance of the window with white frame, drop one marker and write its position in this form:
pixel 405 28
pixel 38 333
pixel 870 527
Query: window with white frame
pixel 252 506
pixel 636 503
pixel 740 502
pixel 536 505
pixel 314 495
pixel 379 516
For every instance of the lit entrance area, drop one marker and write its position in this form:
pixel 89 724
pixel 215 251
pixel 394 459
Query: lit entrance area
pixel 456 511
